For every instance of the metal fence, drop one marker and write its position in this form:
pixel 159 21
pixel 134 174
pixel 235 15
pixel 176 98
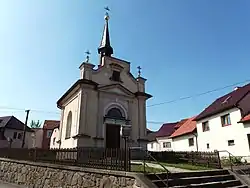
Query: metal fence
pixel 209 159
pixel 104 158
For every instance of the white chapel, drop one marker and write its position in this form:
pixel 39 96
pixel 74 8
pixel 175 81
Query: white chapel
pixel 102 103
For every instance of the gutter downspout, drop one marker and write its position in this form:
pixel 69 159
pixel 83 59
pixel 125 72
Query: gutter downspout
pixel 196 140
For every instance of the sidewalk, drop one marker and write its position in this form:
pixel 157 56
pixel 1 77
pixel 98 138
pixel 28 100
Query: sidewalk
pixel 171 169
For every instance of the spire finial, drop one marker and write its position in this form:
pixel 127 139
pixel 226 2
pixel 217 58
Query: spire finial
pixel 139 71
pixel 105 48
pixel 106 17
pixel 87 57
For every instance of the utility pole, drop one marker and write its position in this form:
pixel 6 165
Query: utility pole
pixel 24 129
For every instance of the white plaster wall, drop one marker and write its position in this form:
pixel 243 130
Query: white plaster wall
pixel 161 140
pixel 55 135
pixel 218 136
pixel 17 143
pixel 155 146
pixel 181 143
pixel 71 105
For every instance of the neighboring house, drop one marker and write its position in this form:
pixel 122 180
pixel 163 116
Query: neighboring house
pixel 54 140
pixel 102 102
pixel 162 140
pixel 12 129
pixel 153 144
pixel 48 128
pixel 224 125
pixel 185 137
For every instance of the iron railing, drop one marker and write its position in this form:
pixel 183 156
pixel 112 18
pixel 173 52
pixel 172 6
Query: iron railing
pixel 233 165
pixel 104 158
pixel 209 159
pixel 149 157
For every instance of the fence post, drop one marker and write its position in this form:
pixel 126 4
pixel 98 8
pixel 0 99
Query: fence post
pixel 218 156
pixel 230 159
pixel 34 154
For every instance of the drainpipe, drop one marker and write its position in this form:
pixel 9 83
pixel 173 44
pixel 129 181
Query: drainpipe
pixel 196 140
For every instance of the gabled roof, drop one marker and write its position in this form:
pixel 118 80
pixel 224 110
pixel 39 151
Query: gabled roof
pixel 74 86
pixel 180 123
pixel 245 119
pixel 225 102
pixel 12 122
pixel 51 124
pixel 189 126
pixel 166 129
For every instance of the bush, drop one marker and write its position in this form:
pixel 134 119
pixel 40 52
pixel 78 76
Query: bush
pixel 225 161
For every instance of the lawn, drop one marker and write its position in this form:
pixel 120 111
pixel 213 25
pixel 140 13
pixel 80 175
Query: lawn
pixel 186 166
pixel 140 168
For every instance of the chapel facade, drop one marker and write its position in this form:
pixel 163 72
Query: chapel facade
pixel 103 102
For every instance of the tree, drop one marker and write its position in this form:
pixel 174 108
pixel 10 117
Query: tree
pixel 35 124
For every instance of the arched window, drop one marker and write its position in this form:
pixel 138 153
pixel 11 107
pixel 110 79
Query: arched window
pixel 115 113
pixel 68 126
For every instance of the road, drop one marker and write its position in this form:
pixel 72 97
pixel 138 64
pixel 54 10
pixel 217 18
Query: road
pixel 6 185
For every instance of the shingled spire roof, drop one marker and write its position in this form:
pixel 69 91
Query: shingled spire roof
pixel 105 48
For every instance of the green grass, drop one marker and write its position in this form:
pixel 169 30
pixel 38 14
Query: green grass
pixel 186 166
pixel 140 168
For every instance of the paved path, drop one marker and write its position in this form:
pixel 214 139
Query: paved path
pixel 6 185
pixel 171 169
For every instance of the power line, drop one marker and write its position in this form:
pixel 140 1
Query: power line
pixel 157 104
pixel 197 95
pixel 42 111
pixel 33 110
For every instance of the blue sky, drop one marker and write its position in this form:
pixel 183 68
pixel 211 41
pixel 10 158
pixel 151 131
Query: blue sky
pixel 184 48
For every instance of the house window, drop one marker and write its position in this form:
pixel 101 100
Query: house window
pixel 205 126
pixel 152 145
pixel 54 141
pixel 166 144
pixel 49 133
pixel 19 136
pixel 68 125
pixel 225 120
pixel 208 146
pixel 15 135
pixel 230 142
pixel 191 141
pixel 116 76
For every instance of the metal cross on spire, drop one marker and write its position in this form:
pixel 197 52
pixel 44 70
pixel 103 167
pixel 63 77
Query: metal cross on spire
pixel 107 12
pixel 139 71
pixel 88 54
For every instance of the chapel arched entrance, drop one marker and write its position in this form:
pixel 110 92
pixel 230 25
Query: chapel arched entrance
pixel 113 121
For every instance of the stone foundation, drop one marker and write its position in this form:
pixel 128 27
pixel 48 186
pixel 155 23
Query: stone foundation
pixel 43 175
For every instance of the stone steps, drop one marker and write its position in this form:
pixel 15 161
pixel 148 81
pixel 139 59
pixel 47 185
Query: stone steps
pixel 206 179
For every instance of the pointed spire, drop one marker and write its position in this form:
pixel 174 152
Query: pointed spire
pixel 105 48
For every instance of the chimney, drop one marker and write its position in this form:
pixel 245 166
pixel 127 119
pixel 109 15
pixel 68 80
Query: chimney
pixel 237 87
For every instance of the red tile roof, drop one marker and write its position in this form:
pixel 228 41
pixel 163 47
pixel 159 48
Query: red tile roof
pixel 166 129
pixel 180 123
pixel 51 124
pixel 245 119
pixel 225 102
pixel 188 126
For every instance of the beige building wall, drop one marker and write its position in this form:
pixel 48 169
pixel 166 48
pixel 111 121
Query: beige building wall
pixel 89 104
